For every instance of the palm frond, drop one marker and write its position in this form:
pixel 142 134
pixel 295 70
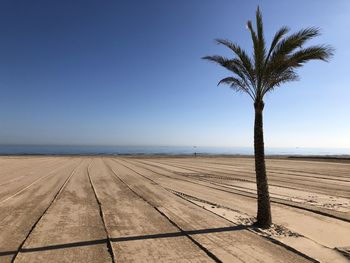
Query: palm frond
pixel 236 66
pixel 261 39
pixel 287 45
pixel 227 81
pixel 237 85
pixel 278 36
pixel 259 48
pixel 277 80
pixel 253 34
pixel 284 67
pixel 259 24
pixel 317 52
pixel 233 65
pixel 243 56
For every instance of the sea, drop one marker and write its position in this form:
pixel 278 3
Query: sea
pixel 163 150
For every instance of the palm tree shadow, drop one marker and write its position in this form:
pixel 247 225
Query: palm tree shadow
pixel 128 238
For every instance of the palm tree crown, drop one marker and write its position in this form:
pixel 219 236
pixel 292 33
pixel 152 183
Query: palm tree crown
pixel 269 68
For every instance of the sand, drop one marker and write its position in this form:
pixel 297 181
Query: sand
pixel 157 209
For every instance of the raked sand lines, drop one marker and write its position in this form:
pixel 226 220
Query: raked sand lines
pixel 106 209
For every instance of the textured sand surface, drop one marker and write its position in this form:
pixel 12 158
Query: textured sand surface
pixel 119 209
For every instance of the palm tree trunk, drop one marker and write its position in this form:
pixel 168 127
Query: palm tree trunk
pixel 264 208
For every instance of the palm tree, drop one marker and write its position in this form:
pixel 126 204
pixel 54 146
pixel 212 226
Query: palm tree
pixel 262 73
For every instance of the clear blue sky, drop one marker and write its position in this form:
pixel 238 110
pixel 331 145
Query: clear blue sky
pixel 130 73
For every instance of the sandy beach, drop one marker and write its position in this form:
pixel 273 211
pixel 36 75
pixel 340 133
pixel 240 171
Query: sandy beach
pixel 162 209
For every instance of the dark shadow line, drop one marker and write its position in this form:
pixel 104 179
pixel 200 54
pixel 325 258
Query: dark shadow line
pixel 68 245
pixel 7 253
pixel 177 234
pixel 127 238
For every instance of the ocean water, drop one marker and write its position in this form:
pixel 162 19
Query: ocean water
pixel 169 150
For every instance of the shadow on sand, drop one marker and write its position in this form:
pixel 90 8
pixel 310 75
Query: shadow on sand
pixel 127 238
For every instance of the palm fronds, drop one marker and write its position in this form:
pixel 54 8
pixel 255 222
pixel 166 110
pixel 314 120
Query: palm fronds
pixel 266 70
